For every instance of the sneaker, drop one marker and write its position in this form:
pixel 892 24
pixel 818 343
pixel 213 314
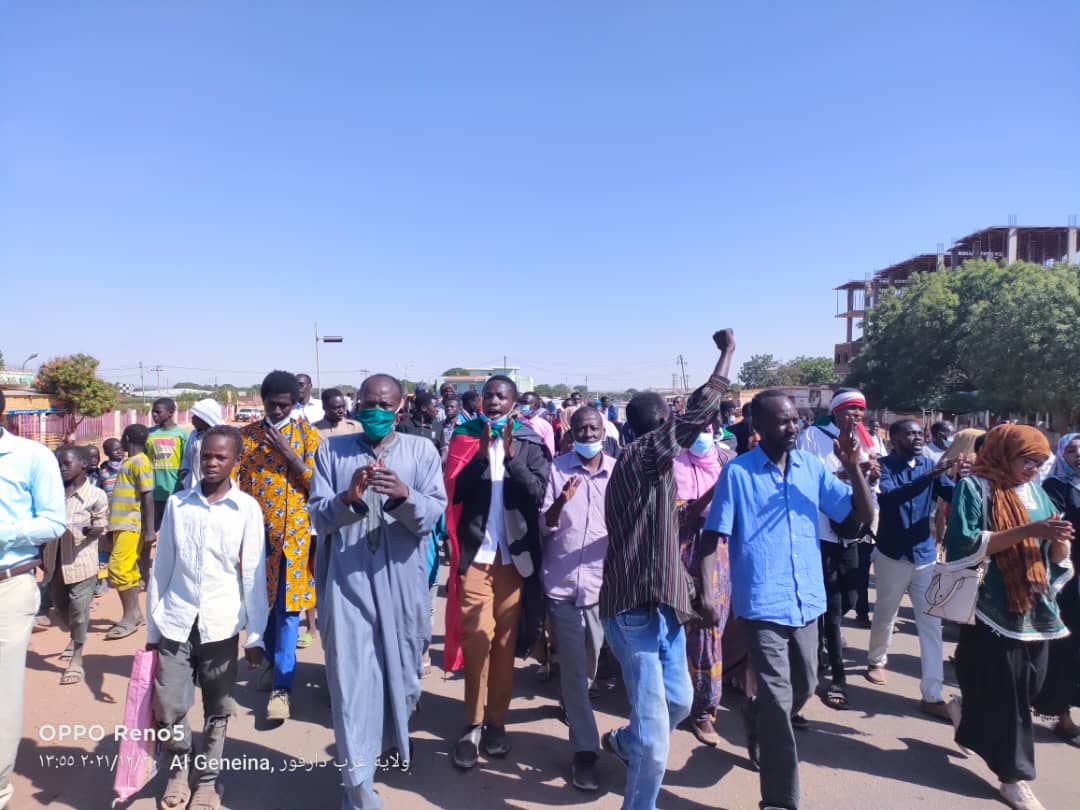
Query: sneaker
pixel 799 722
pixel 611 746
pixel 466 751
pixel 494 742
pixel 583 771
pixel 1019 796
pixel 277 708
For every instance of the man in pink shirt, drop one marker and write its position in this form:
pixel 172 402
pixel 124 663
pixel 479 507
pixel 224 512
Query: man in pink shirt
pixel 531 408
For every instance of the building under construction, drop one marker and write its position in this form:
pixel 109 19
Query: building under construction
pixel 1009 243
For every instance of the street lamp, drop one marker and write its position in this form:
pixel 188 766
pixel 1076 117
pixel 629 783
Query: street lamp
pixel 318 340
pixel 27 360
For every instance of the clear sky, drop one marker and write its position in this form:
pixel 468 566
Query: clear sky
pixel 585 187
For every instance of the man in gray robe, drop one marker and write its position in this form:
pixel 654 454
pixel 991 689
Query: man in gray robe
pixel 375 499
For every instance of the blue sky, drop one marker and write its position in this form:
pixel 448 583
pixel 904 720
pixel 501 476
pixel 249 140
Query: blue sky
pixel 587 188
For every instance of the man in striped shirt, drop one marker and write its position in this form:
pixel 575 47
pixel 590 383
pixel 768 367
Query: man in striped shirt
pixel 646 595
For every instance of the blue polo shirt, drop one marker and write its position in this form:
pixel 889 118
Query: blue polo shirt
pixel 771 521
pixel 904 506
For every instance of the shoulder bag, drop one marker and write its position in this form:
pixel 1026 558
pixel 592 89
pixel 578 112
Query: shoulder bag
pixel 954 588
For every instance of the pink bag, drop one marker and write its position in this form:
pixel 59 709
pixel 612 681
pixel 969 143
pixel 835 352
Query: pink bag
pixel 136 762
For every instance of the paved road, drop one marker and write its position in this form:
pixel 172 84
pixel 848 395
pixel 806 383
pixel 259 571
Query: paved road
pixel 879 755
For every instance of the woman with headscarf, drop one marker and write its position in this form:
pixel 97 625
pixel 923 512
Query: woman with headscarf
pixel 1062 688
pixel 1000 513
pixel 696 472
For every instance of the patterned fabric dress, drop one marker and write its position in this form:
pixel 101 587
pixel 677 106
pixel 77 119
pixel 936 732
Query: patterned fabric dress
pixel 263 474
pixel 704 650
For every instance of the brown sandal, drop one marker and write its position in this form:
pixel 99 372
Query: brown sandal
pixel 206 797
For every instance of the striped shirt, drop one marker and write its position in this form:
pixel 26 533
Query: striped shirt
pixel 125 506
pixel 87 507
pixel 643 567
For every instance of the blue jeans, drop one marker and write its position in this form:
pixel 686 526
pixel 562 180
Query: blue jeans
pixel 282 632
pixel 650 646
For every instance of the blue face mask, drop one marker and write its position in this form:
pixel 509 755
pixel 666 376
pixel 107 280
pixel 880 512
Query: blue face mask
pixel 526 410
pixel 496 424
pixel 588 449
pixel 946 442
pixel 702 444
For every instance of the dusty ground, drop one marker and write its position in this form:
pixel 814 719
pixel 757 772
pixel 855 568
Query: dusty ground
pixel 881 754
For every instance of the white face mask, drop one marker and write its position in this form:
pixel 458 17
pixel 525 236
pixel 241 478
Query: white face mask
pixel 280 424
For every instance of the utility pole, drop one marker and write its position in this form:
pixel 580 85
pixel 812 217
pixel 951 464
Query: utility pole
pixel 682 365
pixel 586 387
pixel 157 371
pixel 142 385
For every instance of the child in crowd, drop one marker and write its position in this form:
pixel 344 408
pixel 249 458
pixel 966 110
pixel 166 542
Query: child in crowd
pixel 131 522
pixel 208 581
pixel 71 561
pixel 93 474
pixel 108 472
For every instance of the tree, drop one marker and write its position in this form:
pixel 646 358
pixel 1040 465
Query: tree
pixel 1 360
pixel 73 383
pixel 456 371
pixel 805 370
pixel 559 391
pixel 983 336
pixel 760 371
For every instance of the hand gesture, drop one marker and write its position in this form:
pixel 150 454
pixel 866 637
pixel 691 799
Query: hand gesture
pixel 276 441
pixel 846 447
pixel 944 467
pixel 725 340
pixel 386 482
pixel 569 488
pixel 485 439
pixel 360 480
pixel 873 475
pixel 254 656
pixel 1054 528
pixel 508 437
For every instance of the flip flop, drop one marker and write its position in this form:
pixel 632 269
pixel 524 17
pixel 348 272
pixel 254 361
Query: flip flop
pixel 118 631
pixel 73 674
pixel 304 640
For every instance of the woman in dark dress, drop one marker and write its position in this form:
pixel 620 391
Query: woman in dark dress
pixel 1062 687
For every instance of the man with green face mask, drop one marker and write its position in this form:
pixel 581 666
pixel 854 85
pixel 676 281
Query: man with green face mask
pixel 374 501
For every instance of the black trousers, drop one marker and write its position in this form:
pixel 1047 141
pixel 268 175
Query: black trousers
pixel 999 678
pixel 862 603
pixel 1062 687
pixel 840 566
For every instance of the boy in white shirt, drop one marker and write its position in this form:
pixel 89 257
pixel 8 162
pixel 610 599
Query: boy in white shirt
pixel 208 581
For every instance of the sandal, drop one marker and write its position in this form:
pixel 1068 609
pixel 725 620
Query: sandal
pixel 118 630
pixel 73 674
pixel 177 791
pixel 835 697
pixel 205 797
pixel 304 640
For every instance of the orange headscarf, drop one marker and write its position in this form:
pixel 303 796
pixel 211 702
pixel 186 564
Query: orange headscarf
pixel 1021 565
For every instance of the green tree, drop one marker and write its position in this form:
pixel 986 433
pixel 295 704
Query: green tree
pixel 456 371
pixel 1 360
pixel 73 383
pixel 983 336
pixel 760 371
pixel 805 370
pixel 559 391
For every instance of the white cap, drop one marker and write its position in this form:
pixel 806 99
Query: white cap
pixel 209 411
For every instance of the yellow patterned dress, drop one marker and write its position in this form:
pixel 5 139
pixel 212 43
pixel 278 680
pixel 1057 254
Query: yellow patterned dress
pixel 283 496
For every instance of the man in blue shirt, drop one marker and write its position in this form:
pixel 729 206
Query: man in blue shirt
pixel 32 512
pixel 905 556
pixel 766 506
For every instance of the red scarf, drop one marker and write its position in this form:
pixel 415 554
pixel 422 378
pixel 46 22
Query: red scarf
pixel 461 451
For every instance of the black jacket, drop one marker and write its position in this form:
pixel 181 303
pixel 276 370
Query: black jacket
pixel 525 477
